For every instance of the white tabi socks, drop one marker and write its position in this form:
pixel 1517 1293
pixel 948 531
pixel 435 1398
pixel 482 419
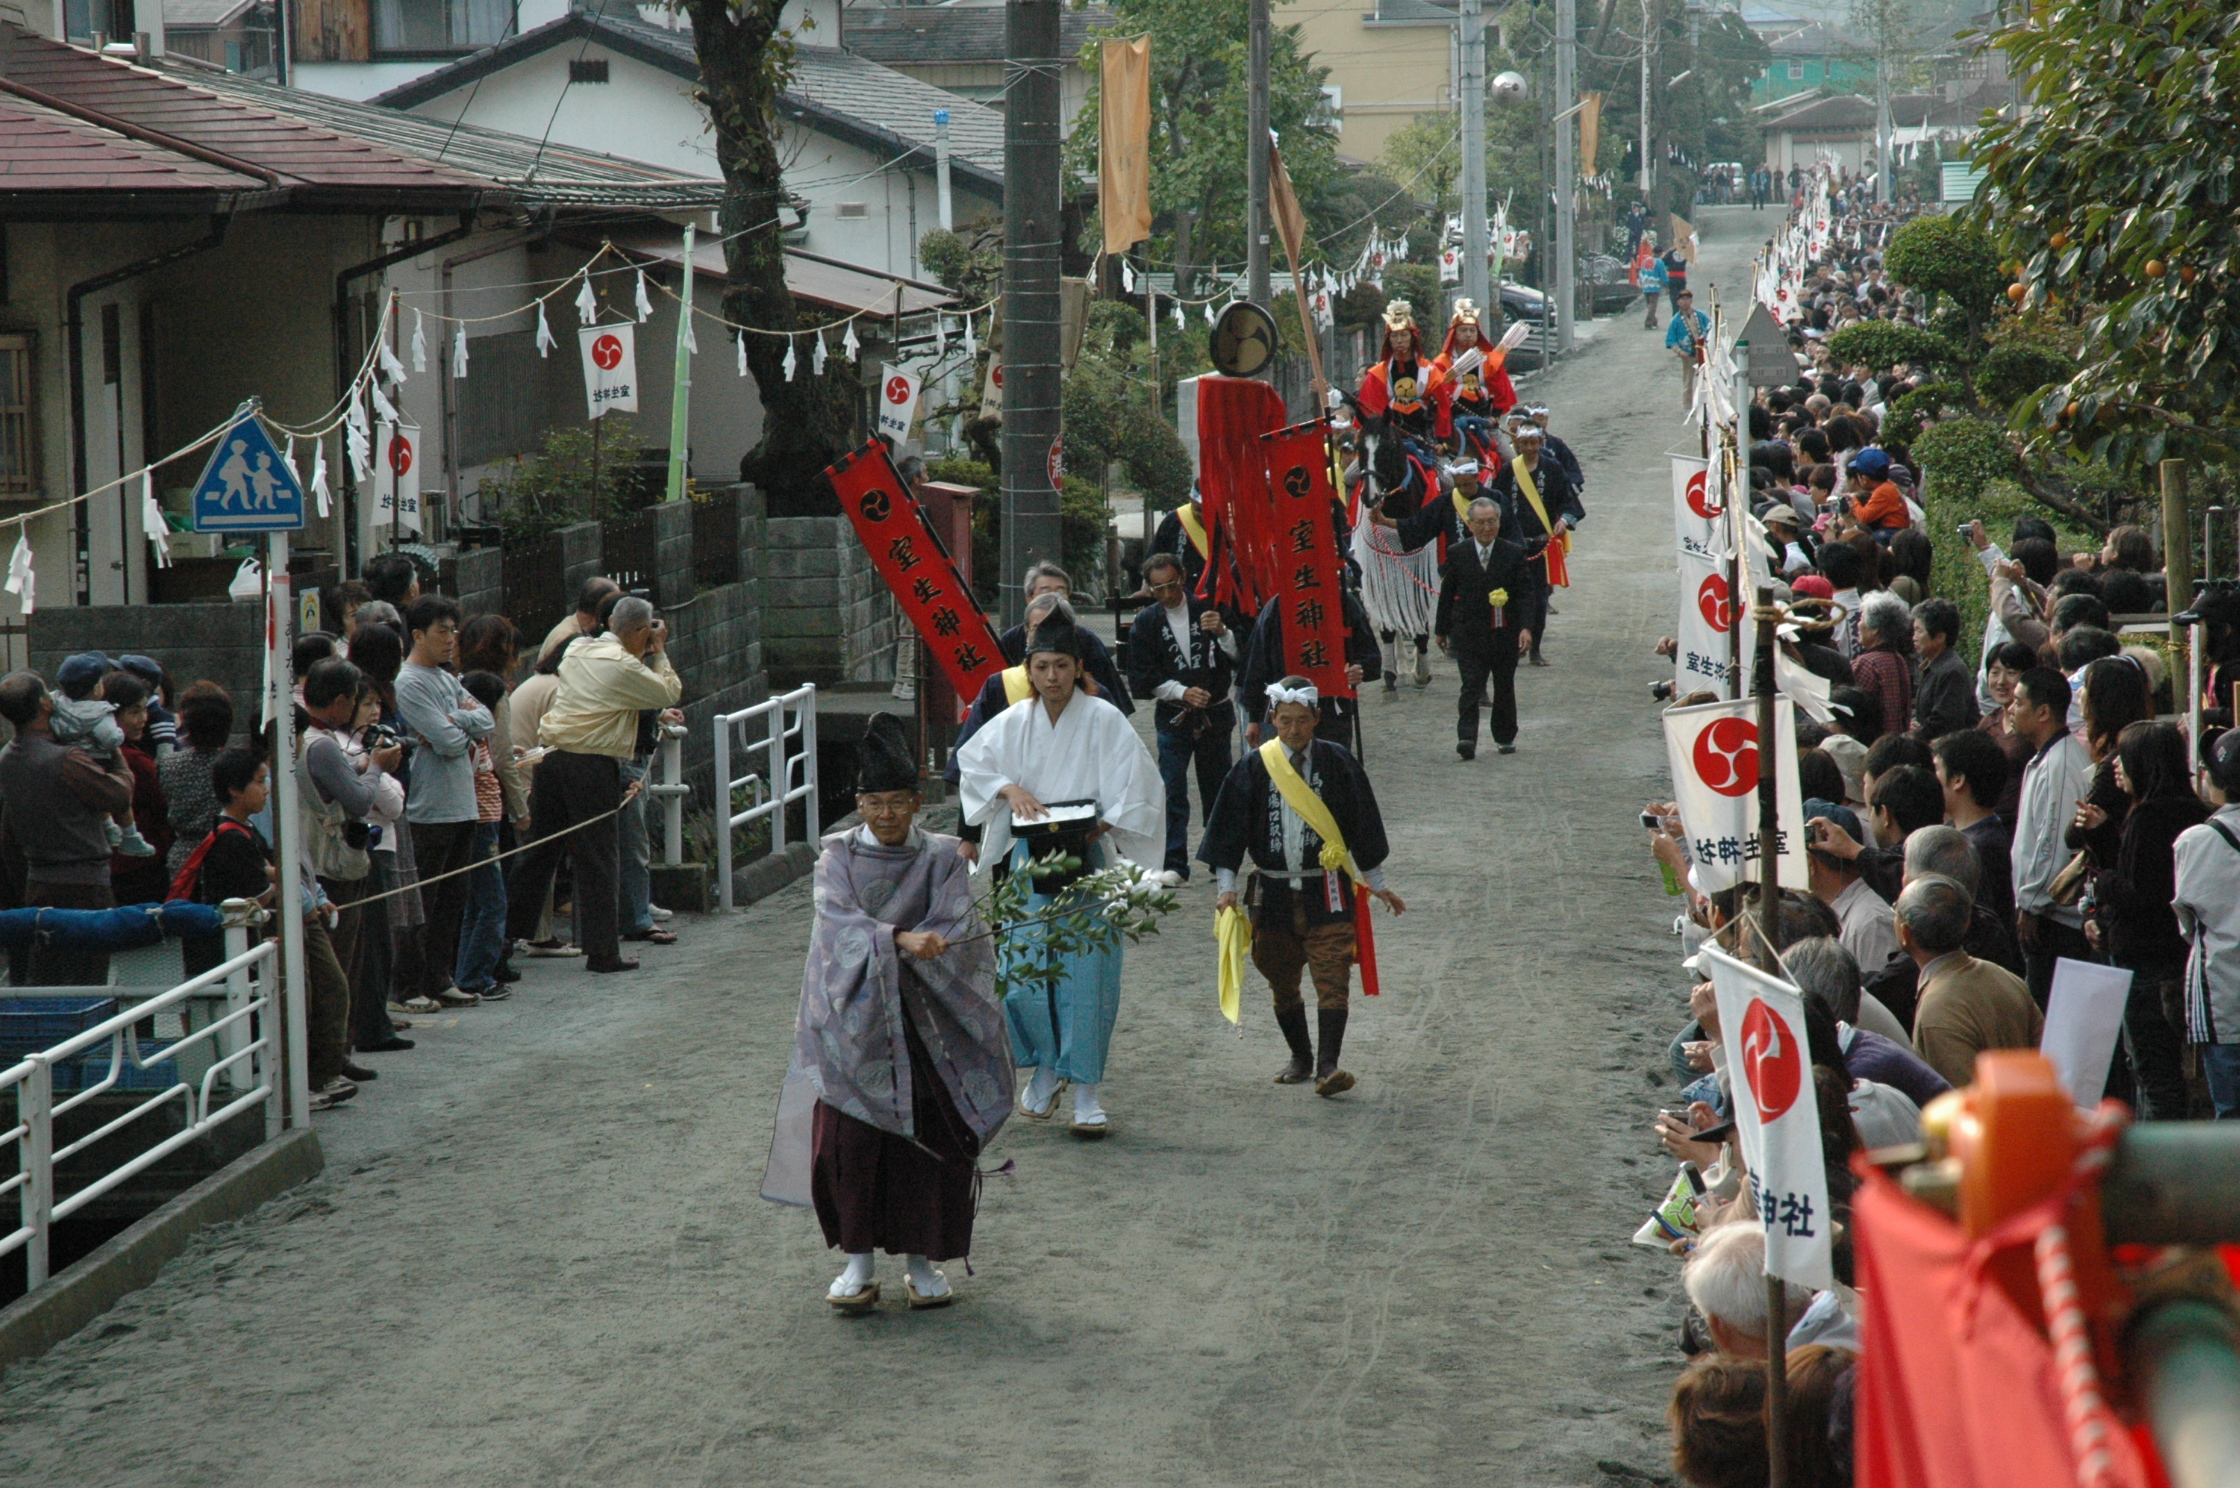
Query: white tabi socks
pixel 1041 1090
pixel 1086 1109
pixel 853 1280
pixel 924 1280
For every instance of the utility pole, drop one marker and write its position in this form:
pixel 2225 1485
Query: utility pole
pixel 1471 85
pixel 1031 231
pixel 1882 119
pixel 1567 173
pixel 1256 161
pixel 1648 175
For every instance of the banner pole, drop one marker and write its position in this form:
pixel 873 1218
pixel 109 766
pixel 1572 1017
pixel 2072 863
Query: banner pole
pixel 1769 919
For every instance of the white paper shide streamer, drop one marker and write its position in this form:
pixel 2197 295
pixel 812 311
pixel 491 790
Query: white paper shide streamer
pixel 645 302
pixel 545 341
pixel 587 302
pixel 22 583
pixel 791 361
pixel 817 357
pixel 319 492
pixel 741 339
pixel 459 354
pixel 357 440
pixel 419 343
pixel 151 519
pixel 848 343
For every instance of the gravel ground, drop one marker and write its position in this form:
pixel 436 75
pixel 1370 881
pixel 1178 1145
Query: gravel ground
pixel 537 1256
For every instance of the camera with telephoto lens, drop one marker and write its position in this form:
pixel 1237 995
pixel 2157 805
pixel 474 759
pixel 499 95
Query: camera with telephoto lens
pixel 377 738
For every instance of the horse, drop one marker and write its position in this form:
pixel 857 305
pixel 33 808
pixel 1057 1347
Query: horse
pixel 1400 590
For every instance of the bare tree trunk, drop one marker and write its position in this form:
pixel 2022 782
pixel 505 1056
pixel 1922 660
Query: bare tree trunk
pixel 809 421
pixel 1185 267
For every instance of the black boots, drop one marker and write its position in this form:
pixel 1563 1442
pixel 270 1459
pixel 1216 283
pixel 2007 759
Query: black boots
pixel 1293 1022
pixel 1328 1078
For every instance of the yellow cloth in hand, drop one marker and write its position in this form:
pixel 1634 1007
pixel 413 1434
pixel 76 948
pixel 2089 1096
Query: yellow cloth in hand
pixel 1232 931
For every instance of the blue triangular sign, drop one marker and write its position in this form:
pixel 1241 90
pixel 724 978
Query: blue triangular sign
pixel 247 486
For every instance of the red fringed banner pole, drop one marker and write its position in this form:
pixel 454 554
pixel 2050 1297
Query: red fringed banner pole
pixel 1304 555
pixel 916 566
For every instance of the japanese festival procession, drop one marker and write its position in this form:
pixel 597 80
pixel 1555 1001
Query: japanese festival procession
pixel 1111 743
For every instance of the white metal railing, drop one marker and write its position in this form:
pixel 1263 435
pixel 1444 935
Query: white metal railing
pixel 237 1044
pixel 668 787
pixel 789 773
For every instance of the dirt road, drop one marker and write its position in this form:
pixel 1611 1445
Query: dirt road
pixel 537 1257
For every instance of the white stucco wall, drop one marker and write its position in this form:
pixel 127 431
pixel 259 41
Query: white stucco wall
pixel 645 113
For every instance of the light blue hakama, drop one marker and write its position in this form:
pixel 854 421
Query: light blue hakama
pixel 1064 1026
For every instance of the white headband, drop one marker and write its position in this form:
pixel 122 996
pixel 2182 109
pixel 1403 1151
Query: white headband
pixel 1304 695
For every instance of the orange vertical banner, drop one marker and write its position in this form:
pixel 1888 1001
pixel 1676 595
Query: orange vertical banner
pixel 1124 142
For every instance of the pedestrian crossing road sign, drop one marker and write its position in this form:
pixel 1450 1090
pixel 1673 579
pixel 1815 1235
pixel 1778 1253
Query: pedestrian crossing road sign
pixel 247 486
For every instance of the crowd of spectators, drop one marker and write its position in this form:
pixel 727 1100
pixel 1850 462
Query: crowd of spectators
pixel 1980 806
pixel 437 799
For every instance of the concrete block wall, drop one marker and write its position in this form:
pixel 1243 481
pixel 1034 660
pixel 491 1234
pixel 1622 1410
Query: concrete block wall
pixel 582 550
pixel 478 579
pixel 827 615
pixel 718 652
pixel 221 642
pixel 672 553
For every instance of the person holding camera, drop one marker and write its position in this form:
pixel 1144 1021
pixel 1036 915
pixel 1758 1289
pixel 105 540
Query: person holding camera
pixel 591 729
pixel 340 786
pixel 1183 654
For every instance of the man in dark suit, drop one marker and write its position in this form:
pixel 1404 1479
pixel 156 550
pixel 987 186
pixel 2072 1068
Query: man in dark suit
pixel 1182 654
pixel 1537 526
pixel 1480 623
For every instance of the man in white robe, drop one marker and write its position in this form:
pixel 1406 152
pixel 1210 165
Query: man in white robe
pixel 1062 745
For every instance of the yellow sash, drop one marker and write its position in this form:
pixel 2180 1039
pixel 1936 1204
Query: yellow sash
pixel 1232 933
pixel 1300 797
pixel 1559 574
pixel 1016 687
pixel 1195 526
pixel 1531 490
pixel 1462 508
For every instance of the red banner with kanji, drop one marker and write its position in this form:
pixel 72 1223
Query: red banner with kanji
pixel 1233 413
pixel 916 567
pixel 1302 553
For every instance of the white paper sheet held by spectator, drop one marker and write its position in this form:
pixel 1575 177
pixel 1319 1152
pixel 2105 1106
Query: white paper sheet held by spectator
pixel 2083 1014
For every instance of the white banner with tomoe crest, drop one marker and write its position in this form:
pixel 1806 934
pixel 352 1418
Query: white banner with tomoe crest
pixel 1776 1116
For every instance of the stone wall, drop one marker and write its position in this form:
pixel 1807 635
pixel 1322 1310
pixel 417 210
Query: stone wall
pixel 827 615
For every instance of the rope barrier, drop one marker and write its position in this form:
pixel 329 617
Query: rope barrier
pixel 419 884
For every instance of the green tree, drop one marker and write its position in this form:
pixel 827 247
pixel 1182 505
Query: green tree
pixel 1198 105
pixel 2110 191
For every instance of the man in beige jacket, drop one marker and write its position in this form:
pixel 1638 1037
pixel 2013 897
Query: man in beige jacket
pixel 1966 1005
pixel 590 729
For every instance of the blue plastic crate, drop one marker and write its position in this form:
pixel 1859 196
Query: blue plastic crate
pixel 91 1067
pixel 29 1024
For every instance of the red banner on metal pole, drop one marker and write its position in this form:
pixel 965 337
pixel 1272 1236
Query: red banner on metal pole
pixel 916 566
pixel 1303 553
